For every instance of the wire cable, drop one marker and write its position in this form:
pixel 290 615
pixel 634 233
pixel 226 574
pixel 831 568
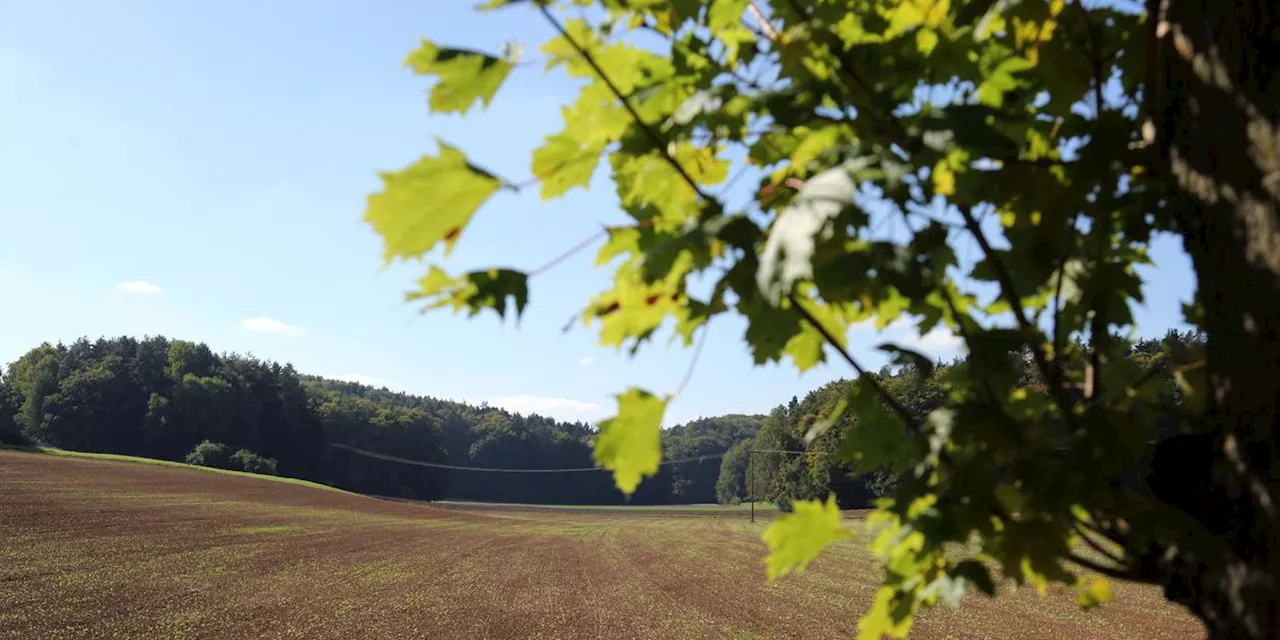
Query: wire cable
pixel 454 467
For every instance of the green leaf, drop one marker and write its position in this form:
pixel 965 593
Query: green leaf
pixel 796 539
pixel 490 5
pixel 926 40
pixel 806 348
pixel 464 76
pixel 563 163
pixel 977 574
pixel 1093 591
pixel 651 181
pixel 1001 81
pixel 486 289
pixel 877 438
pixel 888 616
pixel 629 444
pixel 430 201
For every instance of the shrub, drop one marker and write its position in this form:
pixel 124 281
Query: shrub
pixel 209 454
pixel 246 460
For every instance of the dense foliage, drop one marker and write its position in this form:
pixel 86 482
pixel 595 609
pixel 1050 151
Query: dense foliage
pixel 177 400
pixel 996 169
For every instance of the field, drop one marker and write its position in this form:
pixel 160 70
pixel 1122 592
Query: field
pixel 95 548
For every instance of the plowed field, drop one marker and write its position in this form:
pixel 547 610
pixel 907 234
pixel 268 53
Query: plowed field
pixel 102 549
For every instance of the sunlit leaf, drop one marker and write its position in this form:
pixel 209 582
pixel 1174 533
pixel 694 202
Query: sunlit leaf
pixel 628 444
pixel 888 616
pixel 1001 81
pixel 429 202
pixel 563 163
pixel 487 289
pixel 1093 591
pixel 796 539
pixel 464 76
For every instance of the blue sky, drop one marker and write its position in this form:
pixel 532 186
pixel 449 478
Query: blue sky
pixel 199 170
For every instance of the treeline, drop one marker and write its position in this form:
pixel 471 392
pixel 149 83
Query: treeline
pixel 777 477
pixel 177 400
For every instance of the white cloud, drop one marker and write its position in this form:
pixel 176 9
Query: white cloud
pixel 262 324
pixel 140 287
pixel 938 340
pixel 902 332
pixel 587 361
pixel 565 409
pixel 360 378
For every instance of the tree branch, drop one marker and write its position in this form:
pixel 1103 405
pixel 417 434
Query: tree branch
pixel 658 143
pixel 1110 572
pixel 912 425
pixel 1095 58
pixel 1096 546
pixel 1057 301
pixel 1010 293
pixel 765 25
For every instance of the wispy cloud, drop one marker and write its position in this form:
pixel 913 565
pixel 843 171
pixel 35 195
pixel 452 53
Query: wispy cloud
pixel 587 361
pixel 566 409
pixel 360 378
pixel 934 342
pixel 140 287
pixel 261 324
pixel 902 332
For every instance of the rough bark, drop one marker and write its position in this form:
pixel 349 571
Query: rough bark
pixel 1215 128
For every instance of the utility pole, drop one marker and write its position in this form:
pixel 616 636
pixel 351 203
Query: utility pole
pixel 751 481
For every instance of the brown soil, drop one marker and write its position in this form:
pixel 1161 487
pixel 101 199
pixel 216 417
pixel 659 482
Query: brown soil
pixel 98 549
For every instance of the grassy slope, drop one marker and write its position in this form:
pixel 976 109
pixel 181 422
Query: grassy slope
pixel 113 457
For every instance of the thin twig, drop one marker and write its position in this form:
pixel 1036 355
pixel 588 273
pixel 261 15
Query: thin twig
pixel 569 253
pixel 1010 293
pixel 1057 300
pixel 1110 572
pixel 1095 58
pixel 693 363
pixel 764 23
pixel 742 170
pixel 1096 546
pixel 658 143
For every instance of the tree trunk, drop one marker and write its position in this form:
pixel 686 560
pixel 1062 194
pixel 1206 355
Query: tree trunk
pixel 1214 100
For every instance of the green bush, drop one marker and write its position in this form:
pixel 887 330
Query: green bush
pixel 210 454
pixel 246 460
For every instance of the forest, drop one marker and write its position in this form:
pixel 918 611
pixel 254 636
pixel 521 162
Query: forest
pixel 178 400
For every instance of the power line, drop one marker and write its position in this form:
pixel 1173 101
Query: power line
pixel 454 467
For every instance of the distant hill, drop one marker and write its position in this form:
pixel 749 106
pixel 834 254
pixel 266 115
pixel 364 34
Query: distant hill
pixel 161 398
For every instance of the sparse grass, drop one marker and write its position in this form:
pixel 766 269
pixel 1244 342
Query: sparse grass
pixel 94 550
pixel 277 528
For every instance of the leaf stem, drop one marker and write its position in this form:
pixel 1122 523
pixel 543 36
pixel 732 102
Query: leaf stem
pixel 569 253
pixel 693 363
